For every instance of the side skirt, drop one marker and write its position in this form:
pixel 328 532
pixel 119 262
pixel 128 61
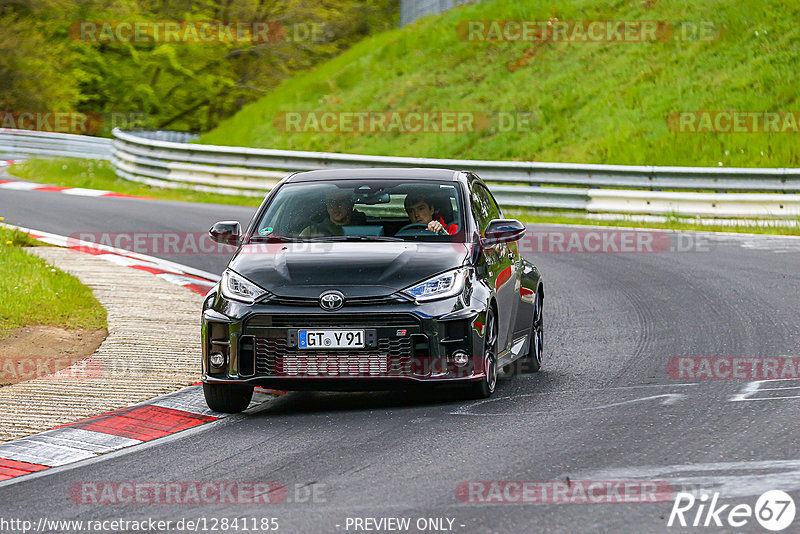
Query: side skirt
pixel 513 353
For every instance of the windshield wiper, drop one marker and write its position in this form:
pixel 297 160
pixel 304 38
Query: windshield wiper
pixel 356 238
pixel 274 239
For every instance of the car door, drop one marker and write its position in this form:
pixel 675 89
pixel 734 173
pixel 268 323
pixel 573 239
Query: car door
pixel 502 263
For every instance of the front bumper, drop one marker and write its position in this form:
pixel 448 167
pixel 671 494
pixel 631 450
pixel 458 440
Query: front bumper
pixel 408 345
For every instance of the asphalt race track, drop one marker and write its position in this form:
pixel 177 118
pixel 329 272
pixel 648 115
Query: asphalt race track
pixel 603 408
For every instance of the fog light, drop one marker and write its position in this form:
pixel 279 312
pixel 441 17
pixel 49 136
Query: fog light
pixel 217 359
pixel 460 358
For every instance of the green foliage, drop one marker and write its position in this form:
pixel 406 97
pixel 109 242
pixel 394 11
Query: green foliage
pixel 29 81
pixel 591 102
pixel 179 86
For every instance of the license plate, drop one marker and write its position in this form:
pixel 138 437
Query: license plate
pixel 330 339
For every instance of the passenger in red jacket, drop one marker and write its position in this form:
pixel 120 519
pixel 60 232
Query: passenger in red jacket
pixel 420 210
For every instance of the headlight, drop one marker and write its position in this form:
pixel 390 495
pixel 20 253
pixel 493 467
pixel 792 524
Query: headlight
pixel 237 287
pixel 440 286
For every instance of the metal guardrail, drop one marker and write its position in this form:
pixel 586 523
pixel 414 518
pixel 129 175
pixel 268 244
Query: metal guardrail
pixel 685 191
pixel 23 144
pixel 411 10
pixel 167 135
pixel 165 159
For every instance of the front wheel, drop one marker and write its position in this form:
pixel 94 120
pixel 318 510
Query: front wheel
pixel 483 388
pixel 227 398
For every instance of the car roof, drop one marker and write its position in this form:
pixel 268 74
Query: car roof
pixel 380 173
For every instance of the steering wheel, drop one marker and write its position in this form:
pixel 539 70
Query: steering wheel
pixel 415 229
pixel 413 226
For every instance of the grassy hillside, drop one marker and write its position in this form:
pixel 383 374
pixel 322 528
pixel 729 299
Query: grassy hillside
pixel 591 102
pixel 39 294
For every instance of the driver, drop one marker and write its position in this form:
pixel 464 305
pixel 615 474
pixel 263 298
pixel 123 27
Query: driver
pixel 421 211
pixel 339 204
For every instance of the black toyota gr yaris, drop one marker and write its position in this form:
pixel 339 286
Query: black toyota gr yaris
pixel 371 279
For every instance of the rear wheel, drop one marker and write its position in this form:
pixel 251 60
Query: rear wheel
pixel 533 360
pixel 227 398
pixel 485 387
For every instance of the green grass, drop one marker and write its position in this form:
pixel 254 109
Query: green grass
pixel 592 102
pixel 35 293
pixel 671 223
pixel 99 174
pixel 14 238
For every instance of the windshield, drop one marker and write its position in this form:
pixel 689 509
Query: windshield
pixel 364 210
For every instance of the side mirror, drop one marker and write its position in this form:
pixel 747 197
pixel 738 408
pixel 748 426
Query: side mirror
pixel 226 232
pixel 502 231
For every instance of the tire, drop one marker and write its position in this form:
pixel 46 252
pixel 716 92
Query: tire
pixel 484 388
pixel 533 360
pixel 227 398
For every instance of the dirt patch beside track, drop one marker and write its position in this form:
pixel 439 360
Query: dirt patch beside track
pixel 36 351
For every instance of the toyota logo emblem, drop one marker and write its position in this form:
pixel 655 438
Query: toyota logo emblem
pixel 331 300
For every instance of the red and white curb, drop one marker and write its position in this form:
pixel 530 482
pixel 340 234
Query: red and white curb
pixel 125 427
pixel 76 191
pixel 194 279
pixel 7 162
pixel 112 431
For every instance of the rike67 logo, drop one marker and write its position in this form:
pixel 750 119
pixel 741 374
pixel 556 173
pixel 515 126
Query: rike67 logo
pixel 774 510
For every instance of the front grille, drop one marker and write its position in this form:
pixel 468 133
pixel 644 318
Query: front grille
pixel 350 301
pixel 327 319
pixel 332 365
pixel 275 358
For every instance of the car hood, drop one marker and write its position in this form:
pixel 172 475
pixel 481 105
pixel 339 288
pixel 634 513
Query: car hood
pixel 364 269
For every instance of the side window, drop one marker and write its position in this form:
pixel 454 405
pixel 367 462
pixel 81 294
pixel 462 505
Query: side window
pixel 484 206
